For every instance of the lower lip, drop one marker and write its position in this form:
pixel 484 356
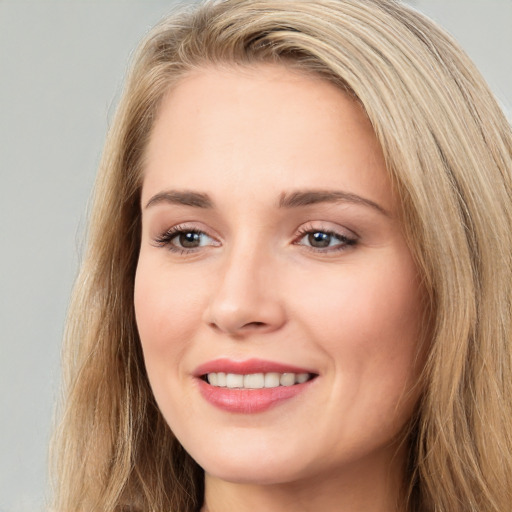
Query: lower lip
pixel 248 401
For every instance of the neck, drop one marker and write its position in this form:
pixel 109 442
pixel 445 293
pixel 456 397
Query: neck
pixel 360 488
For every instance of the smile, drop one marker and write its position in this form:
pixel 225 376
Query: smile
pixel 251 386
pixel 255 380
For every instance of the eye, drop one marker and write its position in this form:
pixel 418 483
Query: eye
pixel 182 239
pixel 325 240
pixel 188 239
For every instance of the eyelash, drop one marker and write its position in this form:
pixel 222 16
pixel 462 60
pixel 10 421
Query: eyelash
pixel 166 239
pixel 344 241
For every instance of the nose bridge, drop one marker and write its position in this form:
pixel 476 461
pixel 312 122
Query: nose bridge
pixel 244 261
pixel 244 298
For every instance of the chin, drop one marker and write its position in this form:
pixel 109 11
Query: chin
pixel 250 469
pixel 249 474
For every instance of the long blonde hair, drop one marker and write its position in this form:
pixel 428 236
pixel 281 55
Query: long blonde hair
pixel 448 149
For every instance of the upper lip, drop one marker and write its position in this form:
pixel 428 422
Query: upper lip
pixel 246 367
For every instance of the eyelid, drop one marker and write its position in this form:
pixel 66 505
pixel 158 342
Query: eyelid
pixel 328 227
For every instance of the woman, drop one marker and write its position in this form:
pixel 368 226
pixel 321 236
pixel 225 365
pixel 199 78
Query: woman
pixel 297 289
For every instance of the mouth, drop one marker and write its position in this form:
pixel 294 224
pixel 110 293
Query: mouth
pixel 251 386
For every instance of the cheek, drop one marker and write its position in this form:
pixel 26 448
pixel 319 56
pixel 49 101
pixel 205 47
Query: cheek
pixel 168 311
pixel 368 322
pixel 168 308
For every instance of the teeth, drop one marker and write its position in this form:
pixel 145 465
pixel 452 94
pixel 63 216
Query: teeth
pixel 287 379
pixel 233 380
pixel 301 378
pixel 221 379
pixel 271 380
pixel 256 380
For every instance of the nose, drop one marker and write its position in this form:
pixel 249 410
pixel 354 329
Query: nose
pixel 246 297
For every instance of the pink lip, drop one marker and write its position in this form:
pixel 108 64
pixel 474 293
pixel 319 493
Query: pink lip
pixel 248 401
pixel 246 367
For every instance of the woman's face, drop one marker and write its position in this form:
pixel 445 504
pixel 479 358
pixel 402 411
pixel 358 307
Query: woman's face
pixel 272 265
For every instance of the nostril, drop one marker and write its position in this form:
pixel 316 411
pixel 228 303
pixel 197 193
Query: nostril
pixel 255 324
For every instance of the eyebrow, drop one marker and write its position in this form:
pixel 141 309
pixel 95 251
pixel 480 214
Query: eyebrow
pixel 310 197
pixel 184 198
pixel 295 199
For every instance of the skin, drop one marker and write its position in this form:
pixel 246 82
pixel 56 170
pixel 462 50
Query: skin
pixel 258 286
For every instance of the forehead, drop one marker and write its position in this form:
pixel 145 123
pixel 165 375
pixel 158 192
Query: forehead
pixel 231 129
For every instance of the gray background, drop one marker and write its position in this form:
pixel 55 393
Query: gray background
pixel 61 69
